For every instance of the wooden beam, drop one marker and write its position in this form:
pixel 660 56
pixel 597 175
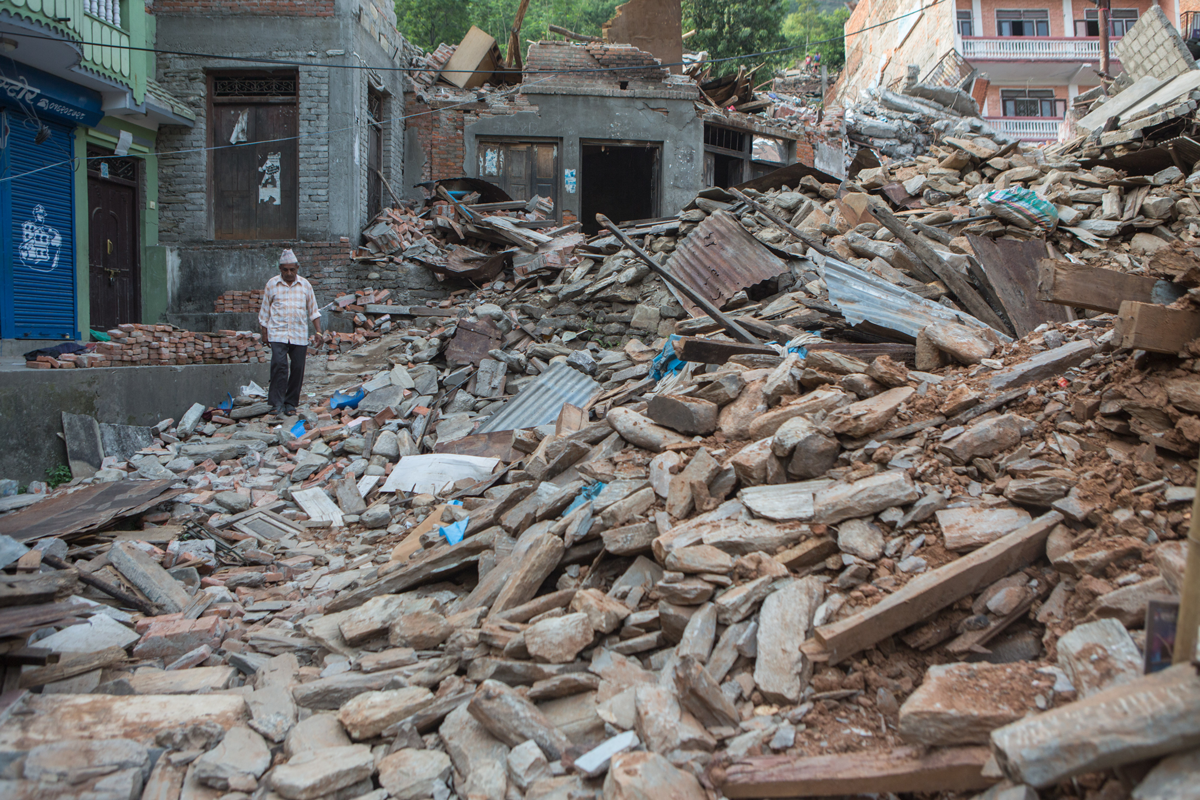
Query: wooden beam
pixel 1155 328
pixel 905 769
pixel 927 594
pixel 1070 284
pixel 28 590
pixel 716 351
pixel 947 274
pixel 71 665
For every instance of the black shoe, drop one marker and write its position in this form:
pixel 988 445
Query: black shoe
pixel 289 411
pixel 276 411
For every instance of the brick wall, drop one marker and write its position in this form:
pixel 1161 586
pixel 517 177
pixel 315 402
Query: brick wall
pixel 1153 47
pixel 183 165
pixel 261 8
pixel 884 53
pixel 329 268
pixel 438 126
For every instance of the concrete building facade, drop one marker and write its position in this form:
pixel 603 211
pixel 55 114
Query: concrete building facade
pixel 299 146
pixel 1030 58
pixel 81 113
pixel 595 127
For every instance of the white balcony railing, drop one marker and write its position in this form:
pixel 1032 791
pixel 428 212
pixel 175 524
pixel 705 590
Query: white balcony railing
pixel 106 10
pixel 1030 48
pixel 1029 129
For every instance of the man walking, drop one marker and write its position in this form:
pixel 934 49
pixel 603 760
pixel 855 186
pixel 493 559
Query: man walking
pixel 288 304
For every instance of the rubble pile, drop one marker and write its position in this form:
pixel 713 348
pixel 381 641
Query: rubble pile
pixel 813 489
pixel 904 124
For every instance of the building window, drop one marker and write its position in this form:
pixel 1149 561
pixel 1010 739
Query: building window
pixel 1023 23
pixel 522 169
pixel 1120 20
pixel 375 118
pixel 965 25
pixel 732 157
pixel 253 165
pixel 1032 103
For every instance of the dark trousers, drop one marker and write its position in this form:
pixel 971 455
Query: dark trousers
pixel 285 387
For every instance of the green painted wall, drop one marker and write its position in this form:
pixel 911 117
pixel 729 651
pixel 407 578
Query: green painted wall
pixel 152 257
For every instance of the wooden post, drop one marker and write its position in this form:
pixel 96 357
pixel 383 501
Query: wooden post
pixel 1102 17
pixel 1189 603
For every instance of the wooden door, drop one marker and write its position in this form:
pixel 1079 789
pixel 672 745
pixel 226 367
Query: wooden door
pixel 113 269
pixel 254 173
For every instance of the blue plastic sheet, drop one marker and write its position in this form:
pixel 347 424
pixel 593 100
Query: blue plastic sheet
pixel 298 429
pixel 346 399
pixel 454 532
pixel 586 495
pixel 227 403
pixel 665 363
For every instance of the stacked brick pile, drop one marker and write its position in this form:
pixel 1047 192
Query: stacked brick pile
pixel 160 345
pixel 238 302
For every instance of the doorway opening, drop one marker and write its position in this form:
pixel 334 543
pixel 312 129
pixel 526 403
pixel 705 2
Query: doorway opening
pixel 114 269
pixel 619 180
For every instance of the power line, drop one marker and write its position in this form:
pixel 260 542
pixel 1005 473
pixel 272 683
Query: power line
pixel 548 75
pixel 578 71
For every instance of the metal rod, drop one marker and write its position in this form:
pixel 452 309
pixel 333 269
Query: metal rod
pixel 735 330
pixel 149 609
pixel 807 238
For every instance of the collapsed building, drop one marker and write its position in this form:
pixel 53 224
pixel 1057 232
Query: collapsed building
pixel 820 486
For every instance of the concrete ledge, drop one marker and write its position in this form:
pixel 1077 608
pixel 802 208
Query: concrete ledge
pixel 32 402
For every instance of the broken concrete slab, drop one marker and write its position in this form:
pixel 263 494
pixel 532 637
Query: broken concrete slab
pixel 963 703
pixel 149 577
pixel 974 526
pixel 1098 655
pixel 781 671
pixel 318 773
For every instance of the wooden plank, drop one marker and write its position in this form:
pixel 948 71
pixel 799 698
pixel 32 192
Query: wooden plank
pixel 905 769
pixel 1070 284
pixel 27 590
pixel 318 506
pixel 439 562
pixel 70 665
pixel 1155 328
pixel 1011 266
pixel 900 353
pixel 954 281
pixel 42 719
pixel 716 351
pixel 927 594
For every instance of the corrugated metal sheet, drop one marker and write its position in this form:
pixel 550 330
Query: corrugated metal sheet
pixel 41 233
pixel 862 296
pixel 540 402
pixel 720 258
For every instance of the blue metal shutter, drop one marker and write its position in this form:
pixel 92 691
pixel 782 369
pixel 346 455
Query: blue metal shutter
pixel 42 225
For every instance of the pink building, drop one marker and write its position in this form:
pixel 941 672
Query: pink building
pixel 1032 57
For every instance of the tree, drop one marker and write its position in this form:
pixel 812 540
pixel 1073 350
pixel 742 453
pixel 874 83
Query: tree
pixel 817 31
pixel 428 24
pixel 730 28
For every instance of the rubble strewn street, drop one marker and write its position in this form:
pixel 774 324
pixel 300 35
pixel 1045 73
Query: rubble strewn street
pixel 820 487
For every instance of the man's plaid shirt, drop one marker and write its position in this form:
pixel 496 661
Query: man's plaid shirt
pixel 286 310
